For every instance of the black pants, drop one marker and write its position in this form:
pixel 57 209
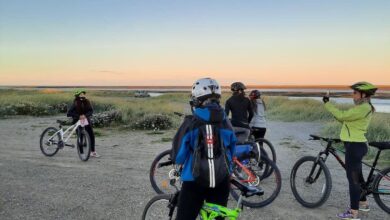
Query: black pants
pixel 89 129
pixel 354 153
pixel 192 197
pixel 258 132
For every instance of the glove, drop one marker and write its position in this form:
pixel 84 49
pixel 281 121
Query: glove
pixel 325 99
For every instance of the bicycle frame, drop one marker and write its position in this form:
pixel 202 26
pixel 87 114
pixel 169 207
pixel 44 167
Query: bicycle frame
pixel 69 130
pixel 329 149
pixel 211 211
pixel 251 177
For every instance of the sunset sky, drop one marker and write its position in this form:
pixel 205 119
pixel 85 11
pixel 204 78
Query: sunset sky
pixel 172 42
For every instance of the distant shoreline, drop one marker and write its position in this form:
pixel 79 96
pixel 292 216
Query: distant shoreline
pixel 185 88
pixel 295 91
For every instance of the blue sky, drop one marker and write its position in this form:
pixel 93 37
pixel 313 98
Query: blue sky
pixel 39 39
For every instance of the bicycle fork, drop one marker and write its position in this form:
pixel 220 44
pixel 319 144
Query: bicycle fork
pixel 310 178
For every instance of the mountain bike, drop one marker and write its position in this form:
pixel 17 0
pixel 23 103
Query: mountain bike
pixel 311 181
pixel 53 139
pixel 164 176
pixel 265 144
pixel 164 206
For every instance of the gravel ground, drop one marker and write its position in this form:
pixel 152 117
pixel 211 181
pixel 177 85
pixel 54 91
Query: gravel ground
pixel 116 186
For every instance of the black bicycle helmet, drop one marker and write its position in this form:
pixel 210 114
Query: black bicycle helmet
pixel 236 86
pixel 365 87
pixel 255 94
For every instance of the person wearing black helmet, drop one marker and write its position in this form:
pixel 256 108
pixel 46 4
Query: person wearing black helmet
pixel 81 109
pixel 240 107
pixel 258 122
pixel 355 122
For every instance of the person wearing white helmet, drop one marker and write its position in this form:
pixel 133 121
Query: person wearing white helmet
pixel 200 134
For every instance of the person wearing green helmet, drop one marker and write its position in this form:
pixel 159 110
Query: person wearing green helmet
pixel 355 122
pixel 81 109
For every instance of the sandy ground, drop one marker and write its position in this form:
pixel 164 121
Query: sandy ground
pixel 116 186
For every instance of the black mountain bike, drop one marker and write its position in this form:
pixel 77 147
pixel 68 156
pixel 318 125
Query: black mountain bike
pixel 311 181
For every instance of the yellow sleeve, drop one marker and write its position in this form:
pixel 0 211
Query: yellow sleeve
pixel 352 114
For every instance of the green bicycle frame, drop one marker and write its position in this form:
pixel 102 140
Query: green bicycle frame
pixel 211 211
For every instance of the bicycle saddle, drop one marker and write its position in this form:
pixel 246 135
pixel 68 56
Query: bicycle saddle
pixel 247 191
pixel 380 145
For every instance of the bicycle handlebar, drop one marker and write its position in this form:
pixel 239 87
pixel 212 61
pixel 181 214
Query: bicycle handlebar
pixel 316 137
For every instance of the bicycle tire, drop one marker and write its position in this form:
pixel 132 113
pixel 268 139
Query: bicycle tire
pixel 325 188
pixel 271 187
pixel 157 208
pixel 377 192
pixel 83 145
pixel 56 143
pixel 268 148
pixel 166 171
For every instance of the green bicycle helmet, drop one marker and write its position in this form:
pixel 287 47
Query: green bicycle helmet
pixel 365 87
pixel 79 91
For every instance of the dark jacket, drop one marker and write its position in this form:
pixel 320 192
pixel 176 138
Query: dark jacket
pixel 80 107
pixel 212 113
pixel 241 109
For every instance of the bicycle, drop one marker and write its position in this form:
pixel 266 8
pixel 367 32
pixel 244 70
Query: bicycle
pixel 316 174
pixel 164 176
pixel 53 139
pixel 163 206
pixel 265 144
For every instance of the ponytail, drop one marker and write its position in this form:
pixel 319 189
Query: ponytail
pixel 372 107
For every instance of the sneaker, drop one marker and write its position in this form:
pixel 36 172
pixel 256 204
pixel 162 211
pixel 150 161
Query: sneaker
pixel 94 154
pixel 364 208
pixel 347 215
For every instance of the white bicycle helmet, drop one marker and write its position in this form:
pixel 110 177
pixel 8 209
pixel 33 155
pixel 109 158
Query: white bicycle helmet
pixel 205 88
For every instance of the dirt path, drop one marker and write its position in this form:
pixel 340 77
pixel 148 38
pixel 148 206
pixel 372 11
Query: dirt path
pixel 116 186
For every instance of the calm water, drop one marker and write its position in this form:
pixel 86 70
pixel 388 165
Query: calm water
pixel 381 105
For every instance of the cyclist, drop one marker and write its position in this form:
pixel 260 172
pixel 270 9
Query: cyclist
pixel 205 98
pixel 355 123
pixel 258 122
pixel 81 109
pixel 241 109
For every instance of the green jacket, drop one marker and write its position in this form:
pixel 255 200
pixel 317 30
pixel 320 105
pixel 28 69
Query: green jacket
pixel 355 121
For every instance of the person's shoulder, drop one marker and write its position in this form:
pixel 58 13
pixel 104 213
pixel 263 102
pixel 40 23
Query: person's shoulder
pixel 365 106
pixel 230 99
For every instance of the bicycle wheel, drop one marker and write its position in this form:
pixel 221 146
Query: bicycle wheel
pixel 49 141
pixel 381 189
pixel 159 208
pixel 271 185
pixel 163 174
pixel 310 182
pixel 83 144
pixel 267 146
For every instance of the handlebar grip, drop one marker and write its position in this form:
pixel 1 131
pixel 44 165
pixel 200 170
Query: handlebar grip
pixel 315 137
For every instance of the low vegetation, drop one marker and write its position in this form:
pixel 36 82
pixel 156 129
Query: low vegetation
pixel 121 108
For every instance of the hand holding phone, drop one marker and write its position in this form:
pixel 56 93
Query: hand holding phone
pixel 325 99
